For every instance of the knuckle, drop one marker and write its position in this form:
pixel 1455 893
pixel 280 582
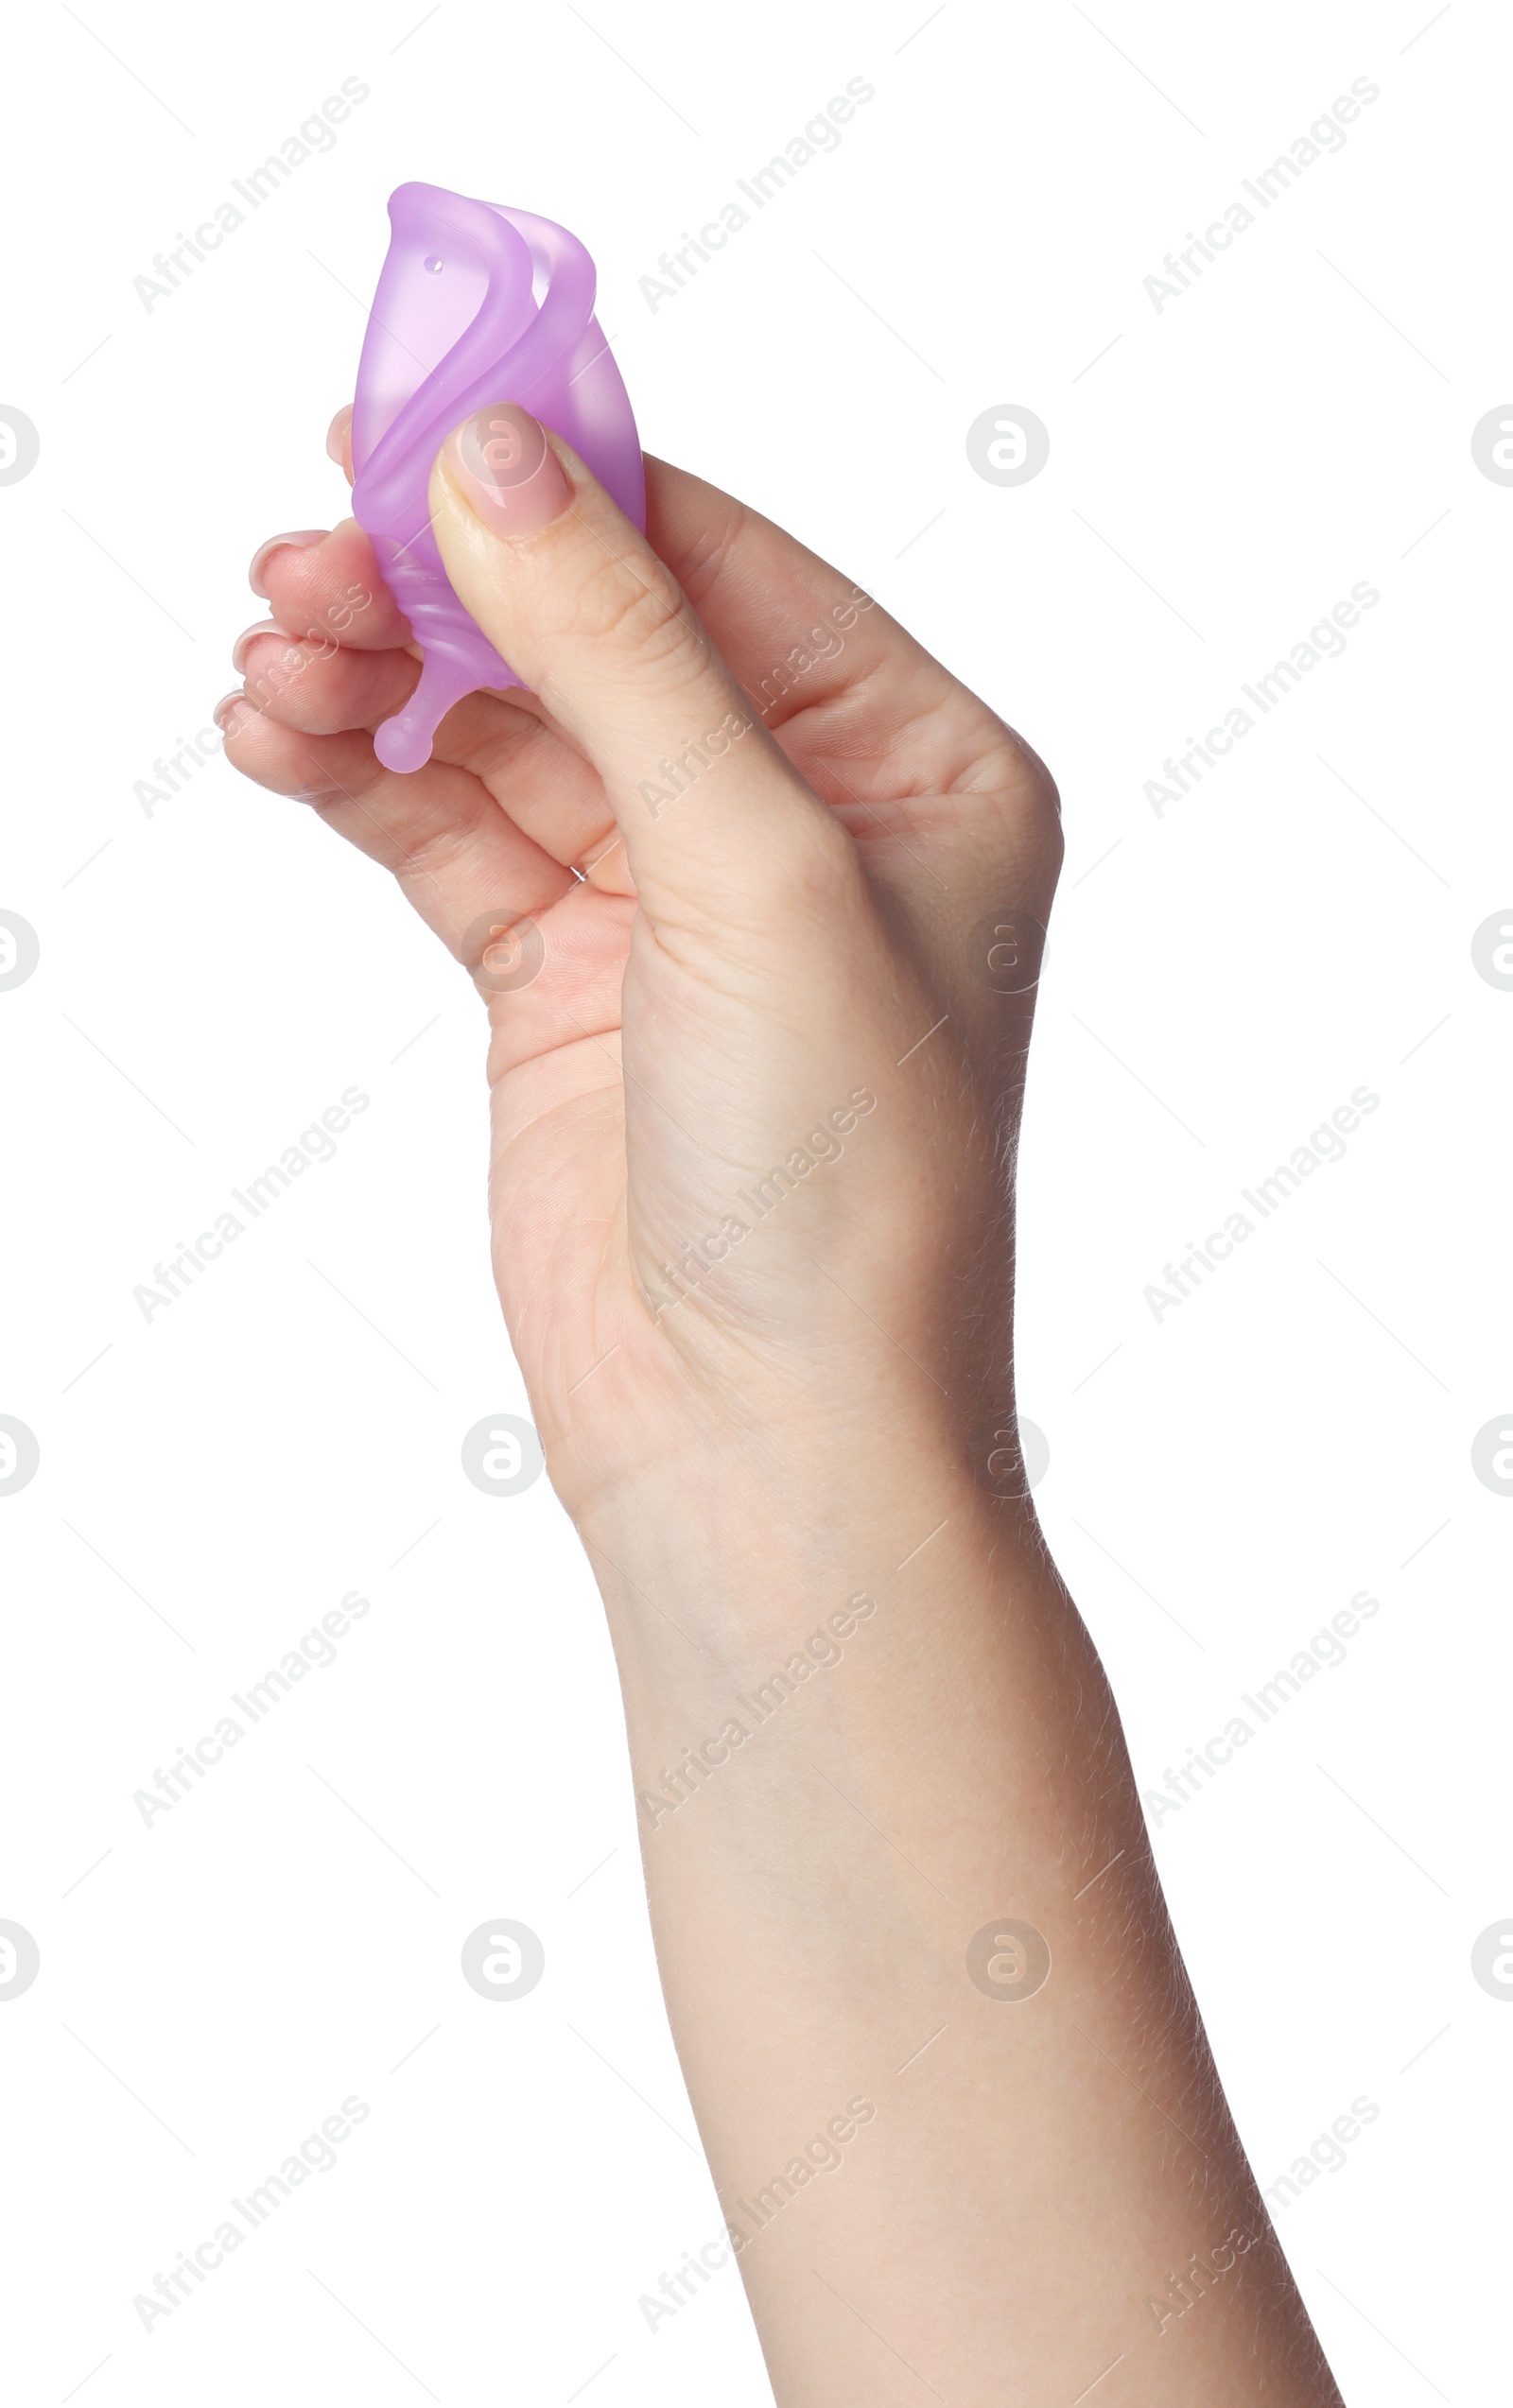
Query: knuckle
pixel 644 618
pixel 1038 789
pixel 1014 801
pixel 433 853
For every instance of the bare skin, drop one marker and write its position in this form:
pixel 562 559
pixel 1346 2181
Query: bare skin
pixel 893 1847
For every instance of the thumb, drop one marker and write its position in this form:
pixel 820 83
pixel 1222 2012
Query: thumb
pixel 573 597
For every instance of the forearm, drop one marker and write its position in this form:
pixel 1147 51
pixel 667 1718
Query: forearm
pixel 823 1847
pixel 755 1110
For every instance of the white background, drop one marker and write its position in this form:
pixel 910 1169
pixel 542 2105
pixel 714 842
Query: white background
pixel 1219 978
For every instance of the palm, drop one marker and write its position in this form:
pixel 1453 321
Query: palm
pixel 625 1049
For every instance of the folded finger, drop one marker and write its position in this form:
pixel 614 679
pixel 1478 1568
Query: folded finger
pixel 458 857
pixel 329 586
pixel 320 686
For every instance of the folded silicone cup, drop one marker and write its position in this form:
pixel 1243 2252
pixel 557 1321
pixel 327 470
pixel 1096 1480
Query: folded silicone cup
pixel 477 304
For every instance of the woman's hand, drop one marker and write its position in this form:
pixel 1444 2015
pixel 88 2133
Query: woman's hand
pixel 769 887
pixel 755 1068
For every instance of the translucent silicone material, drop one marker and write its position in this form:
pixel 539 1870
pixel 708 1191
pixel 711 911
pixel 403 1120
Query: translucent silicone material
pixel 476 304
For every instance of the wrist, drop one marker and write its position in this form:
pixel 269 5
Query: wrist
pixel 753 1541
pixel 786 1630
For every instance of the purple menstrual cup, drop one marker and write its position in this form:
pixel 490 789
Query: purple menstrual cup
pixel 477 304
